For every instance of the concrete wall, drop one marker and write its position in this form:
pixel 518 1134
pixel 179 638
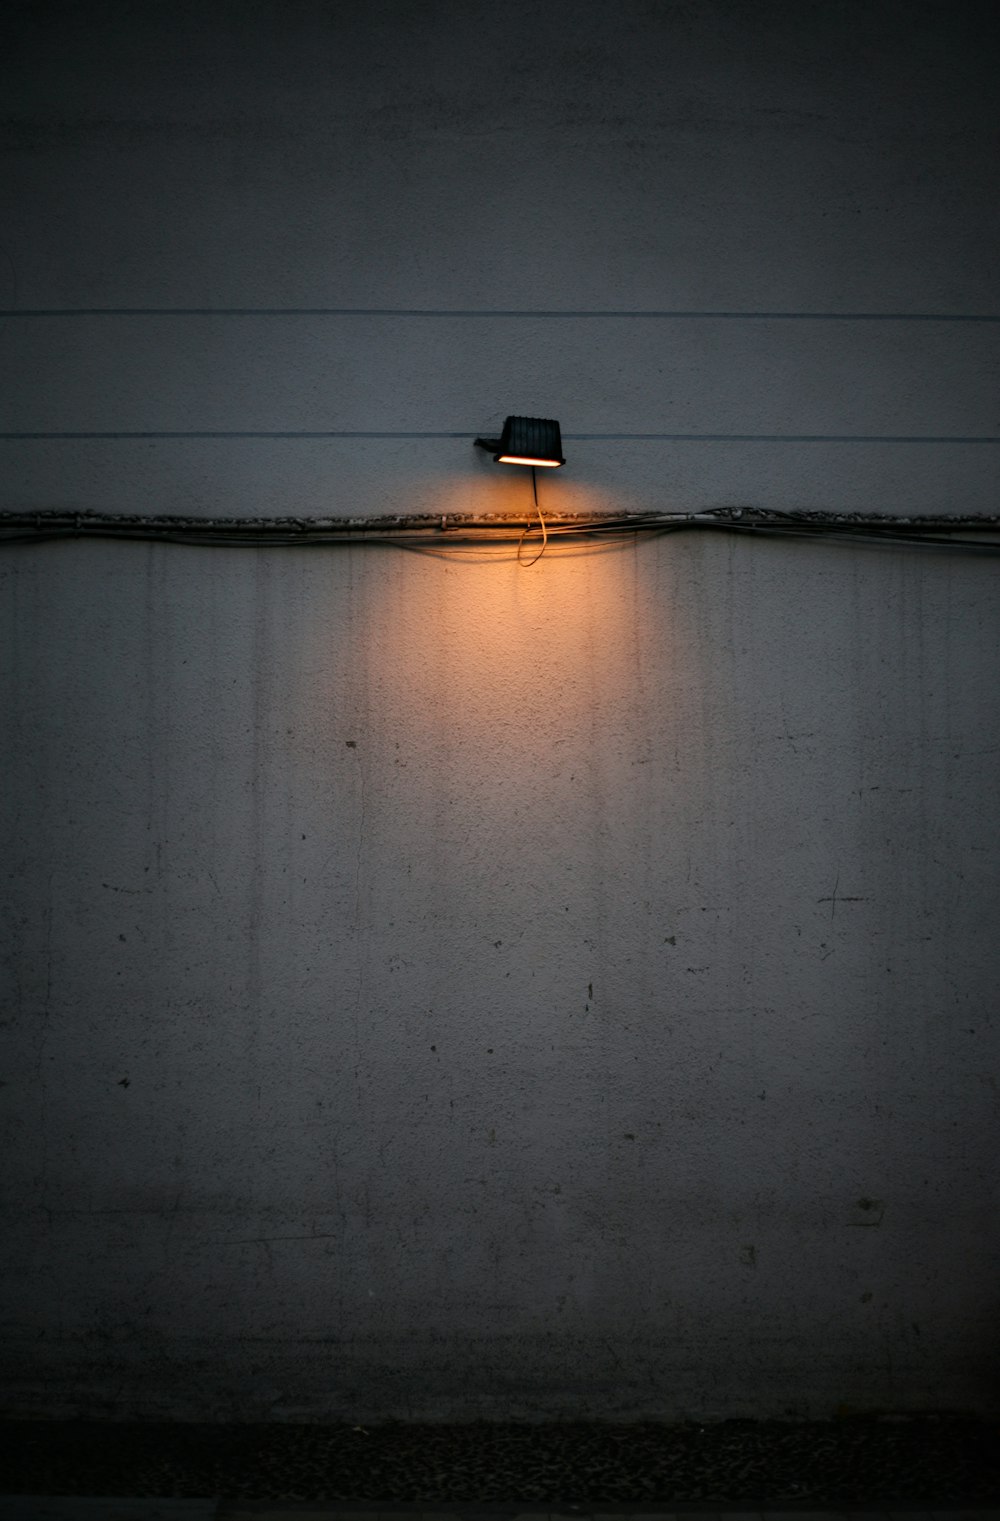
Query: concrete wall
pixel 437 988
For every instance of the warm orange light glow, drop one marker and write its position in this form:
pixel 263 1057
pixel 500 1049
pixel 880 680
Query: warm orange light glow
pixel 519 459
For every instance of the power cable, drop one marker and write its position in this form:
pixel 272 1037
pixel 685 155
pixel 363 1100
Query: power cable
pixel 975 533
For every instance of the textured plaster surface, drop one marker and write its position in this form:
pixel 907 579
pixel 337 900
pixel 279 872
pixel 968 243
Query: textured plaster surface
pixel 436 988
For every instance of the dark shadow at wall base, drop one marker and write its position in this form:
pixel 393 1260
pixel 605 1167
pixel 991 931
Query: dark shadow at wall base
pixel 858 1462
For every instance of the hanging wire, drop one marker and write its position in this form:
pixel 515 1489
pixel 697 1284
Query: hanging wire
pixel 541 520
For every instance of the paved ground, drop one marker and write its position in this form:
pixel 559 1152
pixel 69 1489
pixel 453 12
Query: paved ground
pixel 583 1468
pixel 41 1508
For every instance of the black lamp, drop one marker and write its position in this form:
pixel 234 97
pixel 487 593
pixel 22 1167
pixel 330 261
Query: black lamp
pixel 526 441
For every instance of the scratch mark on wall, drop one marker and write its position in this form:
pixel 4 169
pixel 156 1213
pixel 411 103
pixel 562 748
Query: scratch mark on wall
pixel 352 744
pixel 617 1360
pixel 171 1222
pixel 42 1048
pixel 13 274
pixel 838 897
pixel 266 1240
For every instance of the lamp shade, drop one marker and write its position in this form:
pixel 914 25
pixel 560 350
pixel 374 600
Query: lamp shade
pixel 530 441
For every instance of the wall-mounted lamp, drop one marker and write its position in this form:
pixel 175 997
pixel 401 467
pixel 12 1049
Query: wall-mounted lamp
pixel 526 441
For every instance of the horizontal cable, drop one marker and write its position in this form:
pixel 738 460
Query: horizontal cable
pixel 464 529
pixel 237 433
pixel 492 312
pixel 675 438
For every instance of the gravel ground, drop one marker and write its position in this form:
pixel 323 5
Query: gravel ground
pixel 861 1462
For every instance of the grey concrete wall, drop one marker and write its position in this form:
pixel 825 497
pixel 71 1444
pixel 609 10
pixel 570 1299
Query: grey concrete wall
pixel 437 988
